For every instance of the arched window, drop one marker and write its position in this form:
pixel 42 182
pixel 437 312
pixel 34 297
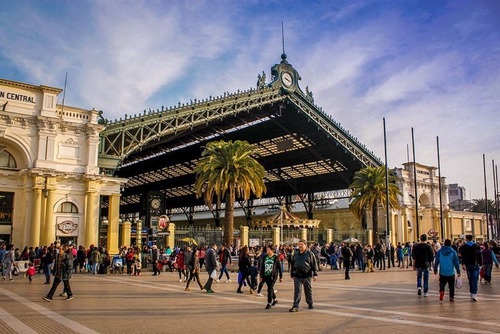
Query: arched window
pixel 67 207
pixel 7 160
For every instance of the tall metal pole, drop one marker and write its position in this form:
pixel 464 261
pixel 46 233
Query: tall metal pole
pixel 498 200
pixel 387 211
pixel 282 242
pixel 486 200
pixel 417 227
pixel 495 198
pixel 440 193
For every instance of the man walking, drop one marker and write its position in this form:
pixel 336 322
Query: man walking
pixel 155 258
pixel 471 260
pixel 63 270
pixel 304 266
pixel 210 265
pixel 269 272
pixel 347 255
pixel 423 255
pixel 447 261
pixel 224 258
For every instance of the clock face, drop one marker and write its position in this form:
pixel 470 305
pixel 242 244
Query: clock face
pixel 287 79
pixel 155 203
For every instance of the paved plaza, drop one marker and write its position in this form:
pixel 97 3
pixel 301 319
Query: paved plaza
pixel 384 301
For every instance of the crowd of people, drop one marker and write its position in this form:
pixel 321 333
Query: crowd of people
pixel 258 266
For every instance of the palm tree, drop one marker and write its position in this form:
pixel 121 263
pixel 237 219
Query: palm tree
pixel 227 170
pixel 369 192
pixel 479 205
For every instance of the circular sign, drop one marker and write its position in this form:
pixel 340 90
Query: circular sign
pixel 432 232
pixel 163 222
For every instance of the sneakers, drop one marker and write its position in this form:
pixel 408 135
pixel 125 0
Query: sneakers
pixel 426 294
pixel 187 289
pixel 47 299
pixel 441 295
pixel 210 291
pixel 311 307
pixel 275 301
pixel 252 291
pixel 473 296
pixel 260 294
pixel 452 300
pixel 180 280
pixel 419 291
pixel 69 298
pixel 217 280
pixel 64 294
pixel 268 306
pixel 228 281
pixel 294 309
pixel 47 282
pixel 239 291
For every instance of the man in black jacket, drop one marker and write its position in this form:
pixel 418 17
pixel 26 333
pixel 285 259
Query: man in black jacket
pixel 304 266
pixel 423 255
pixel 224 258
pixel 211 266
pixel 470 253
pixel 347 256
pixel 270 269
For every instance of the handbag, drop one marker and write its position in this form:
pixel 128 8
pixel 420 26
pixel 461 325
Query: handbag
pixel 458 282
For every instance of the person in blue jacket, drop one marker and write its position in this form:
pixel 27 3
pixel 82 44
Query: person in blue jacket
pixel 447 261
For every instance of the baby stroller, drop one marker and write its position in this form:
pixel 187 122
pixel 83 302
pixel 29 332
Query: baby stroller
pixel 117 265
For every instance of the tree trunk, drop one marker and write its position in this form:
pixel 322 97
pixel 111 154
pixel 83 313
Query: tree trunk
pixel 229 216
pixel 375 238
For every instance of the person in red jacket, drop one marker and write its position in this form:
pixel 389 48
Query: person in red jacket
pixel 181 267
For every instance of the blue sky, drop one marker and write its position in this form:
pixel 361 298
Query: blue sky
pixel 431 65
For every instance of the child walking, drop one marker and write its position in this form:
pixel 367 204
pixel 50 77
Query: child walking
pixel 30 272
pixel 137 267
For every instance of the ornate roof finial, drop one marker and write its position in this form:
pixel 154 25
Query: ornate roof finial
pixel 283 55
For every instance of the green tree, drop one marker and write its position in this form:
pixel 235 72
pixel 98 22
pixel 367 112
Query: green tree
pixel 369 192
pixel 227 170
pixel 479 205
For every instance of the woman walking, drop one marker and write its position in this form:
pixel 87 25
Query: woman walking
pixel 193 268
pixel 244 269
pixel 8 262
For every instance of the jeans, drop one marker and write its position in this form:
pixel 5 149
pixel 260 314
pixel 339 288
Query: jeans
pixel 347 267
pixel 95 267
pixel 425 273
pixel 208 285
pixel 224 270
pixel 297 290
pixel 450 280
pixel 333 262
pixel 46 271
pixel 473 276
pixel 360 263
pixel 270 281
pixel 67 287
pixel 487 272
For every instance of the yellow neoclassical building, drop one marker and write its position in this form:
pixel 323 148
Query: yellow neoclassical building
pixel 50 185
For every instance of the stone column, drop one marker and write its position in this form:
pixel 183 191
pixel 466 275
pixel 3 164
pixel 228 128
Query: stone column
pixel 138 234
pixel 303 234
pixel 91 214
pixel 404 219
pixel 50 228
pixel 113 224
pixel 35 218
pixel 369 237
pixel 126 228
pixel 244 235
pixel 171 236
pixel 276 236
pixel 329 235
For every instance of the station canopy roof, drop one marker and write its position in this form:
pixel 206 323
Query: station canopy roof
pixel 303 149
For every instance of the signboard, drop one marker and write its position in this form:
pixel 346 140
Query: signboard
pixel 432 233
pixel 163 223
pixel 67 226
pixel 253 242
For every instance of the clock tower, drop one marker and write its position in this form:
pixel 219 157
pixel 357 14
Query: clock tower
pixel 285 76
